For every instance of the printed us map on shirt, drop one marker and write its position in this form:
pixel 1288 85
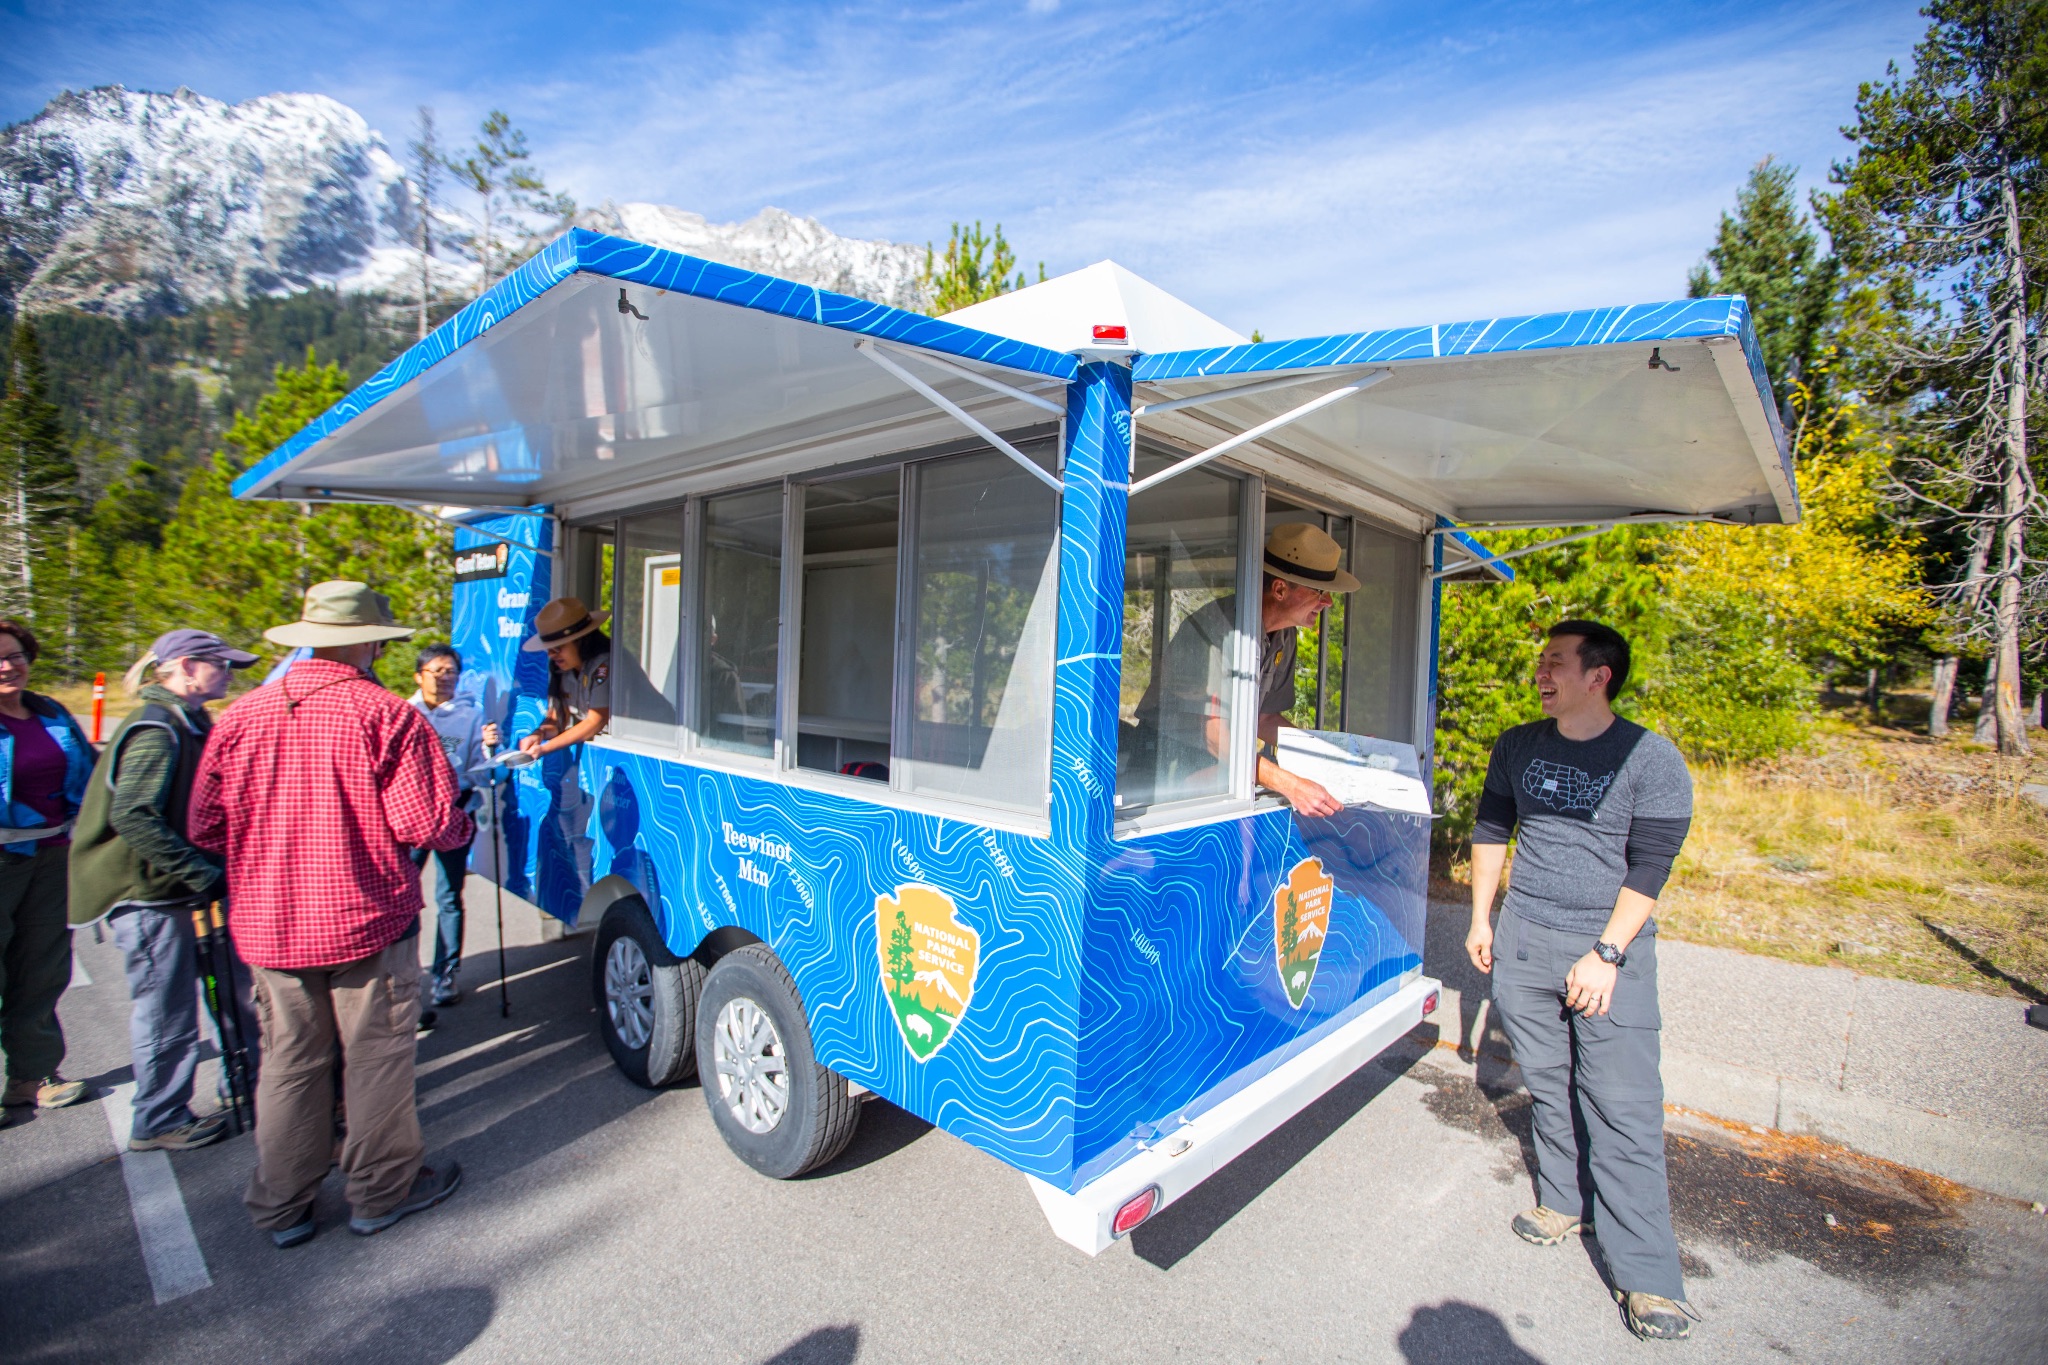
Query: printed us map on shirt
pixel 1563 787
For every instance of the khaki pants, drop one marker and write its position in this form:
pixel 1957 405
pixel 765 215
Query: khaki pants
pixel 371 1010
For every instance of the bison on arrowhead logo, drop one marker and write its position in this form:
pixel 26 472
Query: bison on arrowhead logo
pixel 1301 925
pixel 928 962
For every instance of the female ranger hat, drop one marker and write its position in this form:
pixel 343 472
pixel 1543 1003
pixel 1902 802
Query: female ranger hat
pixel 1304 554
pixel 340 612
pixel 563 620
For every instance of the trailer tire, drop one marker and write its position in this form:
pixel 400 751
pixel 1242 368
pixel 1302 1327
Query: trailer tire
pixel 751 1011
pixel 646 997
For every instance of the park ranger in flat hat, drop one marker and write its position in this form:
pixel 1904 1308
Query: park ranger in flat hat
pixel 1181 712
pixel 579 674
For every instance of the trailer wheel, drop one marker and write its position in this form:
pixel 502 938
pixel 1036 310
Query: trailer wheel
pixel 779 1111
pixel 646 997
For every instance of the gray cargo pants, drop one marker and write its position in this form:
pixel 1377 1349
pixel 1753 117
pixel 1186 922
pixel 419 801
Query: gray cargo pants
pixel 163 1021
pixel 1599 1101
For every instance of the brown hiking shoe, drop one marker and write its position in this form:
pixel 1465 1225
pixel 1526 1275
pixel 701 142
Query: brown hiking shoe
pixel 1545 1227
pixel 51 1092
pixel 1652 1316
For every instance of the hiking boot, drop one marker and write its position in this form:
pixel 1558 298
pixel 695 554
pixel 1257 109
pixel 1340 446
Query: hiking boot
pixel 445 992
pixel 429 1187
pixel 1652 1316
pixel 1545 1227
pixel 186 1136
pixel 51 1092
pixel 284 1239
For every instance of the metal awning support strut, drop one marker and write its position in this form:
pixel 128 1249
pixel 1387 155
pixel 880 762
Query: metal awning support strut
pixel 961 415
pixel 1037 400
pixel 420 510
pixel 1358 385
pixel 1285 381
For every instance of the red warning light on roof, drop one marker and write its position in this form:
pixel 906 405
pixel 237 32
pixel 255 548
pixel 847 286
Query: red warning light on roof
pixel 1110 332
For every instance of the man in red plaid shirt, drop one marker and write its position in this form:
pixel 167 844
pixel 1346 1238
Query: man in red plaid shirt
pixel 312 789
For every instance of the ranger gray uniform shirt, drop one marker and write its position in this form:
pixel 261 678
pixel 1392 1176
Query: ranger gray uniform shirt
pixel 1195 677
pixel 588 687
pixel 1595 815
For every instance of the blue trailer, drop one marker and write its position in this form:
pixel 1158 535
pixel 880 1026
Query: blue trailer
pixel 871 814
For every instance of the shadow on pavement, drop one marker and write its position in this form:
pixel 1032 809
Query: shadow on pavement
pixel 884 1131
pixel 1460 1333
pixel 1167 1239
pixel 73 1285
pixel 825 1346
pixel 425 1328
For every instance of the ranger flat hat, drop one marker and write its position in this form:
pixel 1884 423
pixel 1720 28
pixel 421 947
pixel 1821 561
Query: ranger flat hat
pixel 340 613
pixel 560 621
pixel 1305 554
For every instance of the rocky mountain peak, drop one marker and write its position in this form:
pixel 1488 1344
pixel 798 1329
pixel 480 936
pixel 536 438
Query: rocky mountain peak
pixel 136 203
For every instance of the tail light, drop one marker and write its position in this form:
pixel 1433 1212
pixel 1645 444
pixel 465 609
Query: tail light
pixel 1429 1004
pixel 1136 1210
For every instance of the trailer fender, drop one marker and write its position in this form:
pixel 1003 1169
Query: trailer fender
pixel 605 893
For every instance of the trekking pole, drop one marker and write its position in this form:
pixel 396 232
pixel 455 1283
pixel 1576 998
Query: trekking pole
pixel 205 945
pixel 234 1038
pixel 498 887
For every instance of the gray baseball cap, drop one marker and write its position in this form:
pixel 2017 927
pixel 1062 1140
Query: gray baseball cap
pixel 199 644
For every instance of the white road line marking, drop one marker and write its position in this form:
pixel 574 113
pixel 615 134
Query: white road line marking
pixel 79 976
pixel 169 1249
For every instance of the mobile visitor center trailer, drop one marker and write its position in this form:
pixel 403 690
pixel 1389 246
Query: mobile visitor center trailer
pixel 876 809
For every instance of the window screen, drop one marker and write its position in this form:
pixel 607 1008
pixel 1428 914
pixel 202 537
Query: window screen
pixel 1180 639
pixel 645 662
pixel 985 601
pixel 741 617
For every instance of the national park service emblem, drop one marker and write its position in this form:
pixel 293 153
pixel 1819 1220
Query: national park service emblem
pixel 1301 925
pixel 928 962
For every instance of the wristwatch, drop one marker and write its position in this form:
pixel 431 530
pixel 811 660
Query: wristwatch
pixel 1611 955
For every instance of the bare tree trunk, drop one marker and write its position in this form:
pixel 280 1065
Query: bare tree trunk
pixel 1986 731
pixel 2012 733
pixel 1873 697
pixel 1944 695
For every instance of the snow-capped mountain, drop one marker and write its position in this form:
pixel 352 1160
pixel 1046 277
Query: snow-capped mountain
pixel 132 203
pixel 776 243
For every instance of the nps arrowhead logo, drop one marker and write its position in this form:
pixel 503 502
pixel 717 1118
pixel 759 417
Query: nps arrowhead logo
pixel 928 963
pixel 1301 924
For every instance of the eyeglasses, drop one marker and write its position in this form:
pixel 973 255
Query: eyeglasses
pixel 441 672
pixel 15 660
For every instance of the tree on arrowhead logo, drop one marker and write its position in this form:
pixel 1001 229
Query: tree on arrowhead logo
pixel 928 963
pixel 1301 925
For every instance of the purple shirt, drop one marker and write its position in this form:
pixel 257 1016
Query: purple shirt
pixel 38 771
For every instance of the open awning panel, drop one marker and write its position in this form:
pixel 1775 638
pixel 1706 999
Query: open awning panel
pixel 602 363
pixel 1561 419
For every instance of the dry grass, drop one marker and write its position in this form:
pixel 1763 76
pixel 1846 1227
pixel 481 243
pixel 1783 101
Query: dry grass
pixel 1878 850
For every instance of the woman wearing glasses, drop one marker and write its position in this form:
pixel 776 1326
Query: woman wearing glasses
pixel 44 763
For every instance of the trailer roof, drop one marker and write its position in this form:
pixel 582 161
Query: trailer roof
pixel 1654 410
pixel 603 363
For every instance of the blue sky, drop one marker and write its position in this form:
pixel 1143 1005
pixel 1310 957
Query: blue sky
pixel 1298 168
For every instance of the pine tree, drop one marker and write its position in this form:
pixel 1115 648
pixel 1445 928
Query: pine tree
pixel 427 165
pixel 41 488
pixel 512 192
pixel 1768 252
pixel 975 267
pixel 902 971
pixel 1944 200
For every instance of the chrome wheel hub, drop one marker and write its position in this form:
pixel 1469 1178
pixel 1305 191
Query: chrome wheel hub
pixel 629 993
pixel 753 1075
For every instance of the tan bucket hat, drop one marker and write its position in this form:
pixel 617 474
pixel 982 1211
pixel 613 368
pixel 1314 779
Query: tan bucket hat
pixel 563 620
pixel 1305 554
pixel 340 612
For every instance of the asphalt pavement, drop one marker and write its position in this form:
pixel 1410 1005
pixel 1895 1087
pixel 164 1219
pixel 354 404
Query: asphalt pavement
pixel 598 1221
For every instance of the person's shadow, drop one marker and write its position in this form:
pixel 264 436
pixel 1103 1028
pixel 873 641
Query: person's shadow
pixel 1456 1333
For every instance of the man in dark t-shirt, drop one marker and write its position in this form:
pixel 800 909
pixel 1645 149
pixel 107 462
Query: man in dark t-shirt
pixel 1602 806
